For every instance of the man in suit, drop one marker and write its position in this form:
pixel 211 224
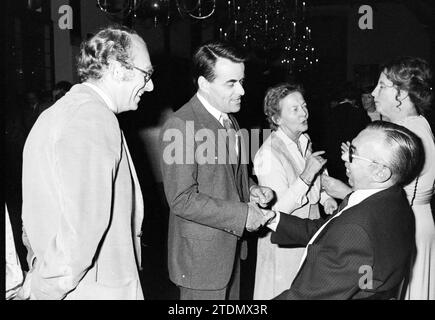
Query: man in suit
pixel 364 250
pixel 82 203
pixel 208 189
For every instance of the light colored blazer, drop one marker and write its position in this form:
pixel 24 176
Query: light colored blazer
pixel 82 203
pixel 278 165
pixel 207 209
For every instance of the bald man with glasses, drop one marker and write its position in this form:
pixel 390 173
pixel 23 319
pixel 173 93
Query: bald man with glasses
pixel 364 250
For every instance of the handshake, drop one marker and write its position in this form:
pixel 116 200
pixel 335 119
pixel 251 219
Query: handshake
pixel 258 217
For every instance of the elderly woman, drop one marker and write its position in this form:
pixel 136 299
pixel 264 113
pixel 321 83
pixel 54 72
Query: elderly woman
pixel 403 95
pixel 286 164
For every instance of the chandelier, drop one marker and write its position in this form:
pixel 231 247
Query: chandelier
pixel 157 9
pixel 276 30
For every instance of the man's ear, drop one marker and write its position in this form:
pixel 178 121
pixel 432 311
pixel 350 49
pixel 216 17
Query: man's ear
pixel 203 84
pixel 383 174
pixel 117 71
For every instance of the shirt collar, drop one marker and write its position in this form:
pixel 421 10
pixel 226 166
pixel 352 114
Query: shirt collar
pixel 212 110
pixel 360 195
pixel 302 138
pixel 103 95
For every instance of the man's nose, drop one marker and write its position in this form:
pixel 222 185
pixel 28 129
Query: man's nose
pixel 240 89
pixel 149 86
pixel 345 156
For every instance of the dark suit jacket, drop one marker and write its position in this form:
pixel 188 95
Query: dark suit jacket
pixel 207 209
pixel 377 234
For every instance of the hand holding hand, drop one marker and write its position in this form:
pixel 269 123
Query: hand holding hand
pixel 261 195
pixel 256 217
pixel 334 187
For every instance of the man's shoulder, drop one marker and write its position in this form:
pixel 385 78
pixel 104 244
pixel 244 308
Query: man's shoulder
pixel 187 111
pixel 85 102
pixel 386 205
pixel 82 112
pixel 190 111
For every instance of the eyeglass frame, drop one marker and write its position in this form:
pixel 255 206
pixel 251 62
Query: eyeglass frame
pixel 147 74
pixel 352 156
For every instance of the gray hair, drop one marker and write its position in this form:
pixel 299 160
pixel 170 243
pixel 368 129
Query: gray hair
pixel 406 149
pixel 110 43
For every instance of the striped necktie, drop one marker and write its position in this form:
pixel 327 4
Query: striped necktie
pixel 232 136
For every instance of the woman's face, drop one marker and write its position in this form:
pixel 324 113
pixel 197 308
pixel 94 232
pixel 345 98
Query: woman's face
pixel 385 96
pixel 294 114
pixel 367 102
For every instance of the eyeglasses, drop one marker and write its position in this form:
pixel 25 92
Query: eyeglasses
pixel 147 74
pixel 352 156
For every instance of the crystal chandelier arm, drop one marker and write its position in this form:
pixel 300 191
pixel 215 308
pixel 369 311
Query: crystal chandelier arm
pixel 129 6
pixel 183 10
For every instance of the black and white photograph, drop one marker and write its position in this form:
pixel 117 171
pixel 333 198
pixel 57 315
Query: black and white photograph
pixel 211 157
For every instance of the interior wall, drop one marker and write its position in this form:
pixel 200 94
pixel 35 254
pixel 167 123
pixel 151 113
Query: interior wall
pixel 63 54
pixel 396 31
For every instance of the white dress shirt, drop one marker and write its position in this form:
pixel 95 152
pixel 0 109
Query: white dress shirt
pixel 218 115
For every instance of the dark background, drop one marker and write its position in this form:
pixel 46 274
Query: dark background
pixel 36 54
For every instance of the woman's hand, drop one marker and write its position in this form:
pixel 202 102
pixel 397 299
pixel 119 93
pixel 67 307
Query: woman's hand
pixel 334 187
pixel 345 147
pixel 330 206
pixel 313 165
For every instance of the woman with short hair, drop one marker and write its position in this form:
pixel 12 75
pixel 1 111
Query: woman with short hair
pixel 286 164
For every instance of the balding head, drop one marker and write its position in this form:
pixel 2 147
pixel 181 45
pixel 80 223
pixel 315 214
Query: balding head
pixel 382 155
pixel 403 149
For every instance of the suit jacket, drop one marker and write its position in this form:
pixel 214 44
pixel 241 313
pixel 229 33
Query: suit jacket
pixel 82 203
pixel 206 200
pixel 371 240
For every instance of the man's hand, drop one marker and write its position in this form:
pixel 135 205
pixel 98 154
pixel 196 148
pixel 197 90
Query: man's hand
pixel 261 195
pixel 257 217
pixel 334 187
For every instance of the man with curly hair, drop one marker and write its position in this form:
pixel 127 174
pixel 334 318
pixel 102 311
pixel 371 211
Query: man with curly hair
pixel 82 203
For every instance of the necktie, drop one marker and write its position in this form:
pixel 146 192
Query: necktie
pixel 232 137
pixel 343 203
pixel 226 121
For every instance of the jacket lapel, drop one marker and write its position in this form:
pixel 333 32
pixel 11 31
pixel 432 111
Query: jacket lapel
pixel 207 121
